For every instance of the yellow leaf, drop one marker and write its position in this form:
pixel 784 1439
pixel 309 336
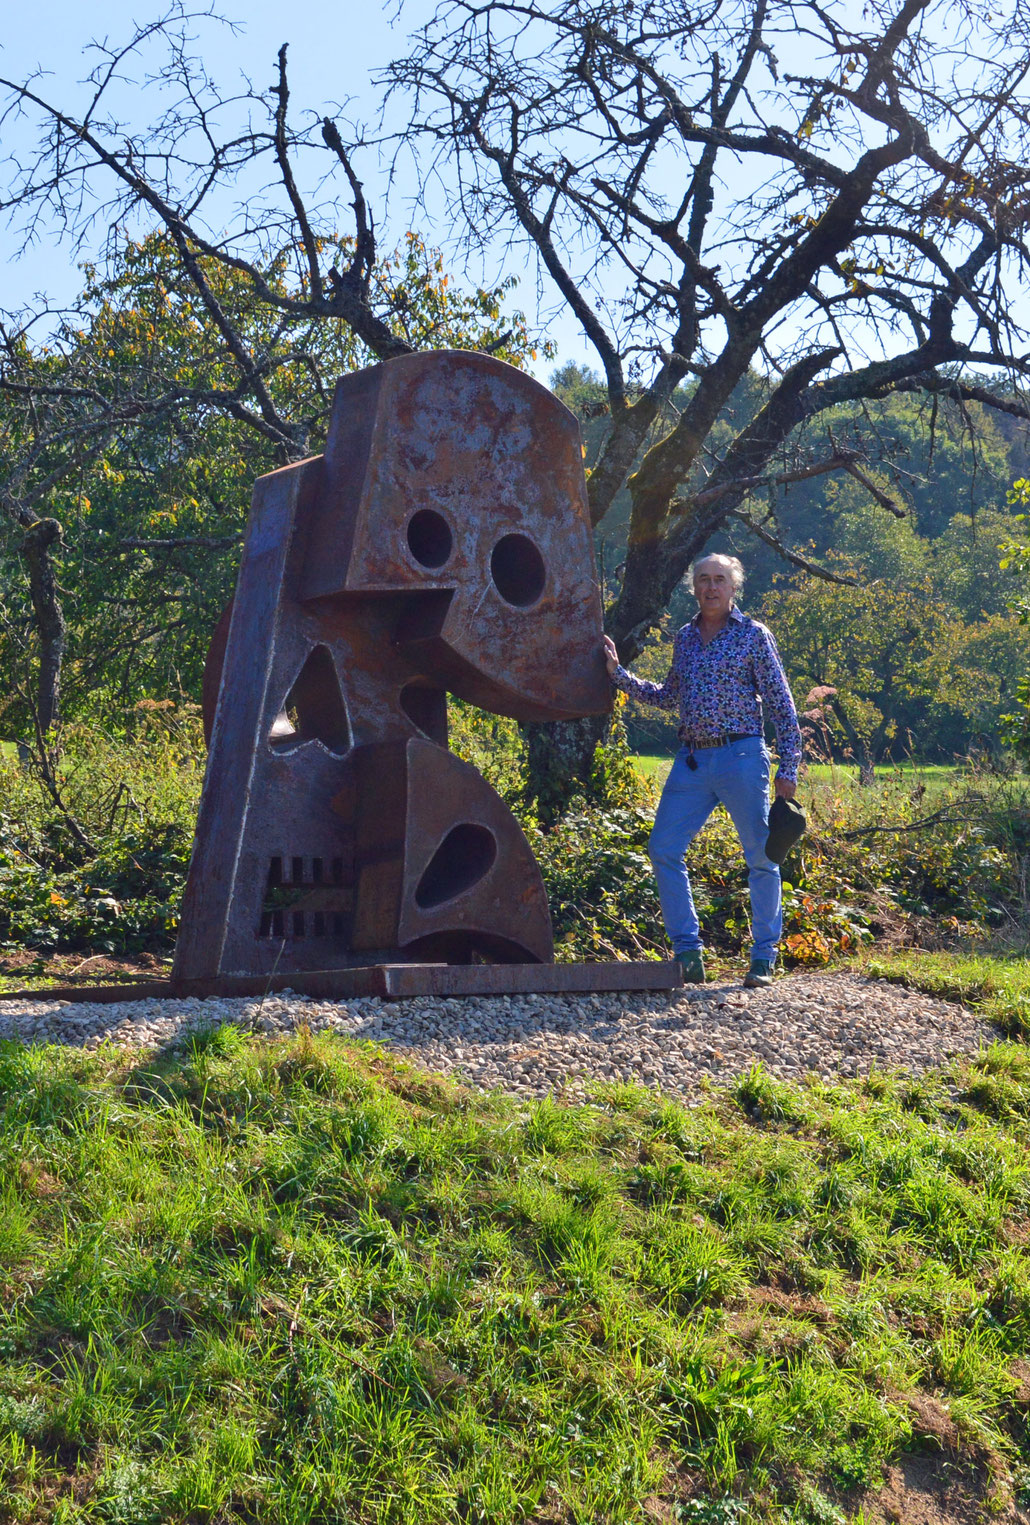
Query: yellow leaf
pixel 56 899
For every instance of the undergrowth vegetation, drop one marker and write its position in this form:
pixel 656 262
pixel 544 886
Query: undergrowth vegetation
pixel 96 861
pixel 300 1283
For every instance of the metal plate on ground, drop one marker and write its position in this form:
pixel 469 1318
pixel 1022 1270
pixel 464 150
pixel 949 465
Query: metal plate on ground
pixel 391 982
pixel 405 980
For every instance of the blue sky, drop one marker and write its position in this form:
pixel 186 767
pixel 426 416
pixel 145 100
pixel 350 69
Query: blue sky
pixel 333 53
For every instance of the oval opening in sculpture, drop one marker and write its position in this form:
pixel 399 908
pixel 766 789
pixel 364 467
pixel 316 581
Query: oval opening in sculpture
pixel 465 856
pixel 429 538
pixel 518 570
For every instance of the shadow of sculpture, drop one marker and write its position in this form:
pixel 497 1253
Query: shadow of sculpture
pixel 441 545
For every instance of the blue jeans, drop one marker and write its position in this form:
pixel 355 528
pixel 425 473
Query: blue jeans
pixel 737 776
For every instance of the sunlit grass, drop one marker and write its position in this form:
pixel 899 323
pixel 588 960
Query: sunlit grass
pixel 656 765
pixel 298 1282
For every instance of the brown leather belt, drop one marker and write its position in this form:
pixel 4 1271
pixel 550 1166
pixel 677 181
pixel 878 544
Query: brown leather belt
pixel 694 743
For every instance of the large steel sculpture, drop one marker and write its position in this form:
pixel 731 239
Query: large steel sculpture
pixel 441 545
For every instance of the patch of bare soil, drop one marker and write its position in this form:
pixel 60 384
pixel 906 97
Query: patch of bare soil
pixel 932 1488
pixel 22 968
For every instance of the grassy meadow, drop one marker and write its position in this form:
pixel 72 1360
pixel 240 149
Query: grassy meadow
pixel 655 767
pixel 298 1282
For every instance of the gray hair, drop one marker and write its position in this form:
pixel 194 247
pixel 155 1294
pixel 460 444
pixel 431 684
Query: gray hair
pixel 733 565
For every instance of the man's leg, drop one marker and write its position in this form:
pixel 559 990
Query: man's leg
pixel 686 803
pixel 743 787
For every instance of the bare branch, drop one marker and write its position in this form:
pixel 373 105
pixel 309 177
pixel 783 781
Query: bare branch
pixel 801 562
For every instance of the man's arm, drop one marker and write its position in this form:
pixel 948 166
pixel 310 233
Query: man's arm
pixel 771 681
pixel 665 695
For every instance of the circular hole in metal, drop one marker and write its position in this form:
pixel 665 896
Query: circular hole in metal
pixel 429 538
pixel 518 570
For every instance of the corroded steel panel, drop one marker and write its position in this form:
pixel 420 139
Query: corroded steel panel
pixel 391 982
pixel 442 545
pixel 457 475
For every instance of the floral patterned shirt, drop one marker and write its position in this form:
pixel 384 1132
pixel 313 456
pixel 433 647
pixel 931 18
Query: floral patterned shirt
pixel 719 689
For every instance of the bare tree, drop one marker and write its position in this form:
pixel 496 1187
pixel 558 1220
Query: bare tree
pixel 832 196
pixel 253 297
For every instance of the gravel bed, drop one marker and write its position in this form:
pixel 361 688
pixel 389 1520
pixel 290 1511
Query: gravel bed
pixel 827 1024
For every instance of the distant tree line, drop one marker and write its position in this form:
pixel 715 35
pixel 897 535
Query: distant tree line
pixel 915 649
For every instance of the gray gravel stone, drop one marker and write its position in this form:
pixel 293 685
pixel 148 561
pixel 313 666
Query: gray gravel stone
pixel 826 1024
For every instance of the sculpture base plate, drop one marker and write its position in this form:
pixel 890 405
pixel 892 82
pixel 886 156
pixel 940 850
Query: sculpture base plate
pixel 390 982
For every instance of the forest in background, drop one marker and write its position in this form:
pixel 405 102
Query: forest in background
pixel 916 635
pixel 920 639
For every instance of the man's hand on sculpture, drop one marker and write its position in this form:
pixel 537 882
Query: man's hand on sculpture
pixel 611 656
pixel 785 790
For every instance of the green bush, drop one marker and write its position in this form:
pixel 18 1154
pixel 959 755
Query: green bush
pixel 133 799
pixel 134 794
pixel 867 867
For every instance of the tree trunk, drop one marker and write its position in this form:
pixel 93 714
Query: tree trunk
pixel 560 759
pixel 858 744
pixel 37 548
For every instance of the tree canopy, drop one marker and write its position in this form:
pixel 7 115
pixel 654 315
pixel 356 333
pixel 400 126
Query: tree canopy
pixel 129 444
pixel 759 212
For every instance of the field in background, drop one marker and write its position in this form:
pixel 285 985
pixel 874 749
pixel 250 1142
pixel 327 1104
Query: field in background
pixel 656 765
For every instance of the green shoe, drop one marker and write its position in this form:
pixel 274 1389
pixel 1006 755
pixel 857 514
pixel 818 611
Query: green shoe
pixel 693 966
pixel 759 975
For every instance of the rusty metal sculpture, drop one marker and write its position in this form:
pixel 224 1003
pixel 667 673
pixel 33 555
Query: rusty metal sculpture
pixel 442 544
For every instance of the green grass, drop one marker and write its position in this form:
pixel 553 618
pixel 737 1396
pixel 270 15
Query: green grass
pixel 656 765
pixel 829 772
pixel 996 985
pixel 300 1283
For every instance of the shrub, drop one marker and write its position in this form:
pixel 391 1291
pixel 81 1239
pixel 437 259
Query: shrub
pixel 134 795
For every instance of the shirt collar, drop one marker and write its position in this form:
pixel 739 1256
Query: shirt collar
pixel 735 618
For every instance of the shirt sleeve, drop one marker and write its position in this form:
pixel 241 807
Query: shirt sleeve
pixel 665 695
pixel 771 682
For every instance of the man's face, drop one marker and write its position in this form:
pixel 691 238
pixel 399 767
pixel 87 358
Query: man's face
pixel 713 589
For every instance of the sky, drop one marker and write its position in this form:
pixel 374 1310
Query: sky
pixel 333 51
pixel 333 54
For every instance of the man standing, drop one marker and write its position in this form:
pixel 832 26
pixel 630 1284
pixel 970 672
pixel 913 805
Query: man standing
pixel 724 666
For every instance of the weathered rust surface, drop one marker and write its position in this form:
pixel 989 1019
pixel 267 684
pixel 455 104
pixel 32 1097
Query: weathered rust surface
pixel 402 981
pixel 442 545
pixel 391 982
pixel 103 995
